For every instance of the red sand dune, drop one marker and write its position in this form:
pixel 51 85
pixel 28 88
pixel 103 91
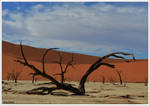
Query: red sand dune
pixel 131 72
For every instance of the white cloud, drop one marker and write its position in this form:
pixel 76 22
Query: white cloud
pixel 37 7
pixel 79 27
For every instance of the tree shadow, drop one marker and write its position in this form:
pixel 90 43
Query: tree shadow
pixel 47 90
pixel 47 83
pixel 60 94
pixel 42 90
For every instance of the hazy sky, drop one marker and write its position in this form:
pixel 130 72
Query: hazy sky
pixel 94 28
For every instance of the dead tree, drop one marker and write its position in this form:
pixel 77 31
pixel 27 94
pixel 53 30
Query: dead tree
pixel 81 89
pixel 112 80
pixel 120 77
pixel 146 81
pixel 103 79
pixel 15 75
pixel 63 70
pixel 36 79
pixel 8 76
pixel 33 76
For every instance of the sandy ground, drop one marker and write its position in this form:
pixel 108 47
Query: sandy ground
pixel 96 93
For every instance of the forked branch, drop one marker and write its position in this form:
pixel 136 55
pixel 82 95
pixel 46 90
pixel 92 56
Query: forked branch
pixel 15 75
pixel 120 77
pixel 37 71
pixel 43 59
pixel 65 69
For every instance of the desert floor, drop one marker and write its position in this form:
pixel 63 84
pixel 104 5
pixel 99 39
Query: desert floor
pixel 96 93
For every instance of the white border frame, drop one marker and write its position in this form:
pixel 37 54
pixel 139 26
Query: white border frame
pixel 72 1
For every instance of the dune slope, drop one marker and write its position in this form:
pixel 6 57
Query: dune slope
pixel 131 72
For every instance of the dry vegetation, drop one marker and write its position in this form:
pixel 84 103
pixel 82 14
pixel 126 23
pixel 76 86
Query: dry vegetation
pixel 96 93
pixel 80 90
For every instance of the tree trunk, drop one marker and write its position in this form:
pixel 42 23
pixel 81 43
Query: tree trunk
pixel 62 78
pixel 89 71
pixel 103 80
pixel 120 78
pixel 33 78
pixel 15 80
pixel 83 80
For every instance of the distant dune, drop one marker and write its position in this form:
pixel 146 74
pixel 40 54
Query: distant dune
pixel 131 72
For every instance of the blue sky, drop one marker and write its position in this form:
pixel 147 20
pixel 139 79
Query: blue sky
pixel 94 28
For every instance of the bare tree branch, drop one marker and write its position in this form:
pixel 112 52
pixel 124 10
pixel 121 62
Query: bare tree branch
pixel 97 64
pixel 106 64
pixel 23 53
pixel 126 60
pixel 8 76
pixel 60 62
pixel 70 63
pixel 34 68
pixel 63 70
pixel 33 76
pixel 120 77
pixel 15 75
pixel 43 59
pixel 121 53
